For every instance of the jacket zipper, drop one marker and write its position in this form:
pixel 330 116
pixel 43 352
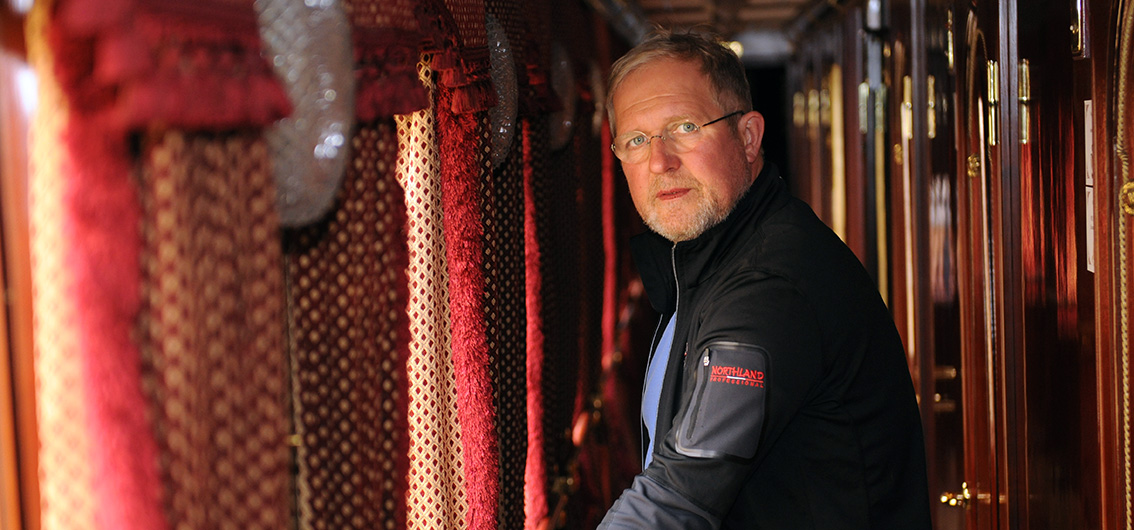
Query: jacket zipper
pixel 677 289
pixel 657 340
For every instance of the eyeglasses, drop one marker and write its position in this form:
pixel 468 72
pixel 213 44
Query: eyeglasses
pixel 681 137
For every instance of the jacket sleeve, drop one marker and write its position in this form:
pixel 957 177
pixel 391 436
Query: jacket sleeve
pixel 749 366
pixel 648 504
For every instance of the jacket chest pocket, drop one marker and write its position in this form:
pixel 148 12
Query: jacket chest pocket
pixel 726 413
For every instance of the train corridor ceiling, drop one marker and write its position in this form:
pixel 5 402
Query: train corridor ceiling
pixel 765 28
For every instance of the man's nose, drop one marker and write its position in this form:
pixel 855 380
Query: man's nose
pixel 662 158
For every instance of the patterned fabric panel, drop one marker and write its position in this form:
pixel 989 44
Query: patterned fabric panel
pixel 556 224
pixel 347 292
pixel 536 484
pixel 502 212
pixel 436 497
pixel 65 469
pixel 212 329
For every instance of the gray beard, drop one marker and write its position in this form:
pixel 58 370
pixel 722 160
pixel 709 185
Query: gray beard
pixel 709 215
pixel 705 219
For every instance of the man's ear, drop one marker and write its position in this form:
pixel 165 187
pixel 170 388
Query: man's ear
pixel 752 134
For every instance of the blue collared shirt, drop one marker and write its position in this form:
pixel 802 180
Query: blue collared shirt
pixel 655 375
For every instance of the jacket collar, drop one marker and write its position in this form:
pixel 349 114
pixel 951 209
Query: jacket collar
pixel 697 259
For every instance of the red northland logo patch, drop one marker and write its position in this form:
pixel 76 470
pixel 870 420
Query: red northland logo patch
pixel 736 375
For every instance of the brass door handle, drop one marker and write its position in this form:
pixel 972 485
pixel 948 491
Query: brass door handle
pixel 957 499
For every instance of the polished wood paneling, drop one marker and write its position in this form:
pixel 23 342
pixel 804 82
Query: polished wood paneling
pixel 975 44
pixel 18 436
pixel 1060 408
pixel 1112 71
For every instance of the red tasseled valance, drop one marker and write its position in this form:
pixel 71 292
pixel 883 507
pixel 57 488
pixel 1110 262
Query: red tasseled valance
pixel 188 64
pixel 455 33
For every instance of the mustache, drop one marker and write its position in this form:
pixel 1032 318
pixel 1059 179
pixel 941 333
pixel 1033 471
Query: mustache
pixel 672 180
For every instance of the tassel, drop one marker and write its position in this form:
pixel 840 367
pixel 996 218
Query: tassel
pixel 473 97
pixel 446 60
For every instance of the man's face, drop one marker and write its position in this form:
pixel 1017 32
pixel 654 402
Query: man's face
pixel 680 195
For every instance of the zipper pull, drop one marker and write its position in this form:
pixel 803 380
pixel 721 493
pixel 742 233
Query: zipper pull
pixel 705 359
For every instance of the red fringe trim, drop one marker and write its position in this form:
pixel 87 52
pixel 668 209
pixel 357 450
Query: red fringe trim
pixel 102 224
pixel 460 176
pixel 465 69
pixel 395 94
pixel 535 475
pixel 473 97
pixel 447 60
pixel 471 83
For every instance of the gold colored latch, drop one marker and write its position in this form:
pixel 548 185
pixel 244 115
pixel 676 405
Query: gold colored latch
pixel 931 114
pixel 863 107
pixel 1078 29
pixel 907 107
pixel 1025 101
pixel 957 499
pixel 993 83
pixel 973 169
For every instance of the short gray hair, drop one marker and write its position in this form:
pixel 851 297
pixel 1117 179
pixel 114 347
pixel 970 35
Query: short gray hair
pixel 718 62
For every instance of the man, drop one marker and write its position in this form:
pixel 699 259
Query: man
pixel 777 395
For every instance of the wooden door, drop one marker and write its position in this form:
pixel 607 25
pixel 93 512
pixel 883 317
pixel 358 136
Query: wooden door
pixel 19 493
pixel 1059 421
pixel 933 253
pixel 1116 210
pixel 942 365
pixel 981 373
pixel 1105 54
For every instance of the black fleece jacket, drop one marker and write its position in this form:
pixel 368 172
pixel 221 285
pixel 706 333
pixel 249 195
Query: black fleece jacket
pixel 787 401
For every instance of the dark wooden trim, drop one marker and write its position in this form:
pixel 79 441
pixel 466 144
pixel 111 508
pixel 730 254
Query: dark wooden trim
pixel 984 465
pixel 9 460
pixel 1114 405
pixel 1009 270
pixel 854 73
pixel 1112 502
pixel 17 282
